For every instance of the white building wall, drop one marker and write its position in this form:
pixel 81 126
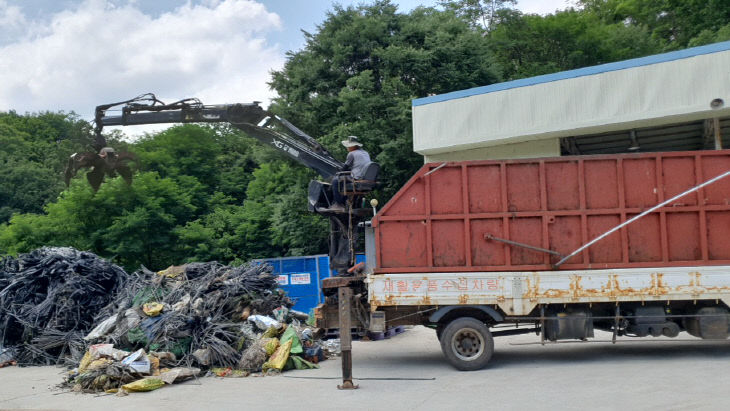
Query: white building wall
pixel 655 90
pixel 533 149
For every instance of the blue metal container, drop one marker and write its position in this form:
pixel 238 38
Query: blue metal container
pixel 301 278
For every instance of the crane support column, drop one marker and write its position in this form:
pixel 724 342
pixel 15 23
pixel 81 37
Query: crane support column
pixel 344 295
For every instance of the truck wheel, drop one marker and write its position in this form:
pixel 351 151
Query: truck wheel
pixel 439 332
pixel 467 344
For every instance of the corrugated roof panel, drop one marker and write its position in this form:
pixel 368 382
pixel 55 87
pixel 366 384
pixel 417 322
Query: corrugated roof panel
pixel 674 137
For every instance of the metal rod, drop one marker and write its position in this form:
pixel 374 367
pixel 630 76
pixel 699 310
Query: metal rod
pixel 631 340
pixel 611 317
pixel 434 170
pixel 319 281
pixel 514 331
pixel 515 243
pixel 364 378
pixel 718 136
pixel 627 222
pixel 412 314
pixel 616 324
pixel 542 324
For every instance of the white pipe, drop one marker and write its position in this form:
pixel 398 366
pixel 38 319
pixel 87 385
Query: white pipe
pixel 435 169
pixel 636 217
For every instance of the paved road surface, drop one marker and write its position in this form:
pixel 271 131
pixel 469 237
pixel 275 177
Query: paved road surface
pixel 661 374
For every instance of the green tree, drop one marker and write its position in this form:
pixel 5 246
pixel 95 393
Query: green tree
pixel 143 228
pixel 481 14
pixel 214 236
pixel 239 157
pixel 359 72
pixel 24 187
pixel 531 45
pixel 273 220
pixel 189 150
pixel 672 23
pixel 131 224
pixel 34 149
pixel 294 230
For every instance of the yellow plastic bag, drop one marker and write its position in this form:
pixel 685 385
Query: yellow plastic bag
pixel 152 309
pixel 172 271
pixel 229 372
pixel 154 365
pixel 271 345
pixel 99 364
pixel 85 361
pixel 145 384
pixel 278 359
pixel 271 332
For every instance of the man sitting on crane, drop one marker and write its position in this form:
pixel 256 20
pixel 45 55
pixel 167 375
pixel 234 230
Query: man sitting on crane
pixel 356 162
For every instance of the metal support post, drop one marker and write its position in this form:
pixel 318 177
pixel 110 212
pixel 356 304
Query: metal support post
pixel 718 134
pixel 345 300
pixel 616 323
pixel 542 324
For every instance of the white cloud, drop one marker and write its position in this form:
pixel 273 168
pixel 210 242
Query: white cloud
pixel 99 53
pixel 12 22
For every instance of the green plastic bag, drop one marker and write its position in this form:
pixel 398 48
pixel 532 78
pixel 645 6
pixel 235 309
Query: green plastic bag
pixel 302 364
pixel 289 364
pixel 148 294
pixel 180 347
pixel 291 334
pixel 136 336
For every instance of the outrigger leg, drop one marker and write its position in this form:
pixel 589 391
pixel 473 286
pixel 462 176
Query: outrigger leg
pixel 345 300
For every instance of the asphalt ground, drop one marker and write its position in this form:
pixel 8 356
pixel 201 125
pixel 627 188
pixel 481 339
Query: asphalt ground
pixel 408 371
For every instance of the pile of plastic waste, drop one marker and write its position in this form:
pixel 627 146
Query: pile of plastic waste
pixel 137 332
pixel 105 368
pixel 274 347
pixel 49 299
pixel 197 311
pixel 200 318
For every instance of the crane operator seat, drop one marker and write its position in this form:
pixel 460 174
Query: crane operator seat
pixel 365 184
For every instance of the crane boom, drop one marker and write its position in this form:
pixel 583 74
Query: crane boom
pixel 256 122
pixel 250 118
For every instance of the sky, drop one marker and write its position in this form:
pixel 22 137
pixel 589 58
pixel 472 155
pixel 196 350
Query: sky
pixel 72 55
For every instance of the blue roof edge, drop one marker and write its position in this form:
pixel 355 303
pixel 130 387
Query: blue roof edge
pixel 581 72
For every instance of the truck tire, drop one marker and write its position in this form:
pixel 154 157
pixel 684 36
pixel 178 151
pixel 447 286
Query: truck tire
pixel 467 344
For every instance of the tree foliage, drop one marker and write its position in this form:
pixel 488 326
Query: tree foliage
pixel 674 24
pixel 481 14
pixel 31 158
pixel 530 45
pixel 134 224
pixel 358 74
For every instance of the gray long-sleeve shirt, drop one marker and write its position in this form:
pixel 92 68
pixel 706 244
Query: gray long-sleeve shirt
pixel 356 161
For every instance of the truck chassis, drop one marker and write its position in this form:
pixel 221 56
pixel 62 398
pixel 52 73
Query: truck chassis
pixel 467 310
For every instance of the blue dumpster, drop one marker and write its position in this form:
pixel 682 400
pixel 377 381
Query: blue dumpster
pixel 301 278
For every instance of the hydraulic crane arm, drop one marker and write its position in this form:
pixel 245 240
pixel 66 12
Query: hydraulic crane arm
pixel 256 122
pixel 253 120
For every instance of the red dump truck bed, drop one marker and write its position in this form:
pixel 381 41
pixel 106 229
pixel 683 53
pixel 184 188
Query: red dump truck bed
pixel 455 217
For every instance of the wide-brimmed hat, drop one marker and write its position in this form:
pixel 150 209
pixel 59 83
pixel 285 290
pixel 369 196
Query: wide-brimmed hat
pixel 351 141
